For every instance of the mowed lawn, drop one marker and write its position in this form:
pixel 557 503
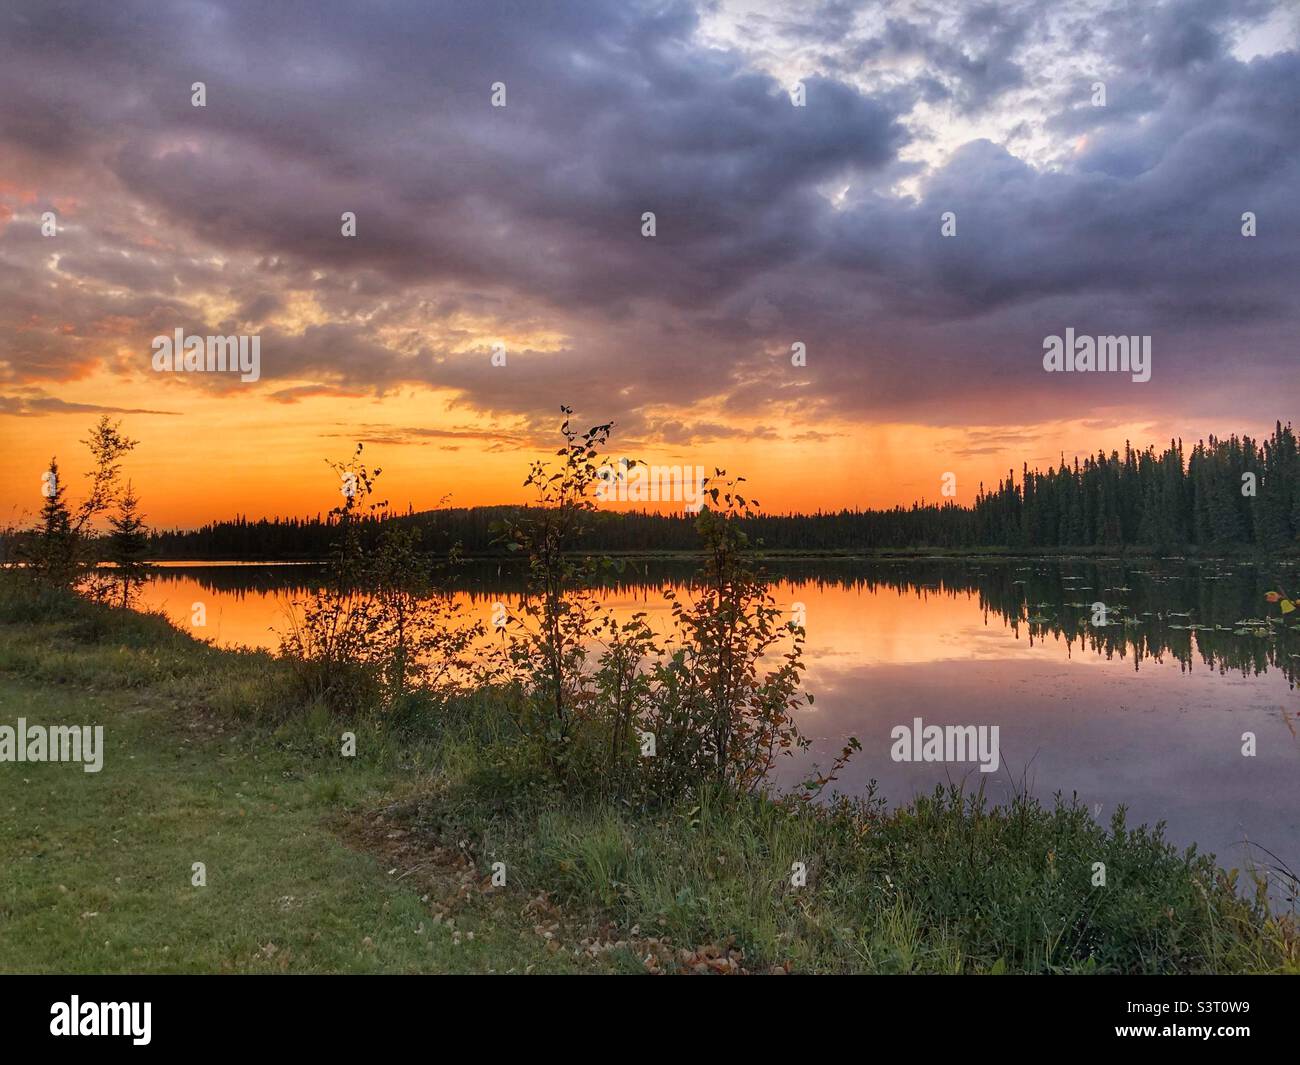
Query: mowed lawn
pixel 96 868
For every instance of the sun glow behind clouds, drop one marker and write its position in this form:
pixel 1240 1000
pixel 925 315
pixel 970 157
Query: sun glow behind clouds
pixel 521 228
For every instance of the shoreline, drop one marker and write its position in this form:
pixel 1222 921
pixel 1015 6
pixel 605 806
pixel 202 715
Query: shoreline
pixel 1243 556
pixel 388 859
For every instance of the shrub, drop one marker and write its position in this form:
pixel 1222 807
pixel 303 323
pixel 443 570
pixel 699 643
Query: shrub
pixel 382 624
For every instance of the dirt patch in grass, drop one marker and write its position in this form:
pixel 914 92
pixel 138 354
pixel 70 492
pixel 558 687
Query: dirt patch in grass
pixel 448 879
pixel 453 888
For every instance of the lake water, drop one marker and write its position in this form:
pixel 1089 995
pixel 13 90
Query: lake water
pixel 1148 710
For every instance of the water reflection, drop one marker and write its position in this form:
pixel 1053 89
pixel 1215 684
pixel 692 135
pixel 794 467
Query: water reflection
pixel 1191 613
pixel 1149 709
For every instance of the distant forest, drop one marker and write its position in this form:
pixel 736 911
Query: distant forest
pixel 1165 501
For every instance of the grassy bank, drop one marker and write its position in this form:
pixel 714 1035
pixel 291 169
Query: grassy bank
pixel 96 869
pixel 383 862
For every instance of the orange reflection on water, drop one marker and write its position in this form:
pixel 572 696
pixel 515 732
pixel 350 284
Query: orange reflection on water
pixel 845 625
pixel 1164 740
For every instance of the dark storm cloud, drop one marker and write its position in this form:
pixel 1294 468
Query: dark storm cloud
pixel 775 223
pixel 975 66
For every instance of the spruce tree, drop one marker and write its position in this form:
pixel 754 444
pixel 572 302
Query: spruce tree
pixel 53 550
pixel 128 543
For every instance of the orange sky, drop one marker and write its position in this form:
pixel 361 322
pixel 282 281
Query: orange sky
pixel 945 198
pixel 242 452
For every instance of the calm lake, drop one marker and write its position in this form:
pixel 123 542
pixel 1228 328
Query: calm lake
pixel 1148 710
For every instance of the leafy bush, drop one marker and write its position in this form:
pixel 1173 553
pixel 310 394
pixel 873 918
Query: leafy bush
pixel 382 626
pixel 615 707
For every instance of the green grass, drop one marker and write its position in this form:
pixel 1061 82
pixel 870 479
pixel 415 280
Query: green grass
pixel 95 869
pixel 319 863
pixel 947 885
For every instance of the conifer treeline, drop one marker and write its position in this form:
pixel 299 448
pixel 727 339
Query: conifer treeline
pixel 1167 501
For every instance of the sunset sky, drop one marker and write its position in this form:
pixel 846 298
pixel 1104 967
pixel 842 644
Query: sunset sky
pixel 522 226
